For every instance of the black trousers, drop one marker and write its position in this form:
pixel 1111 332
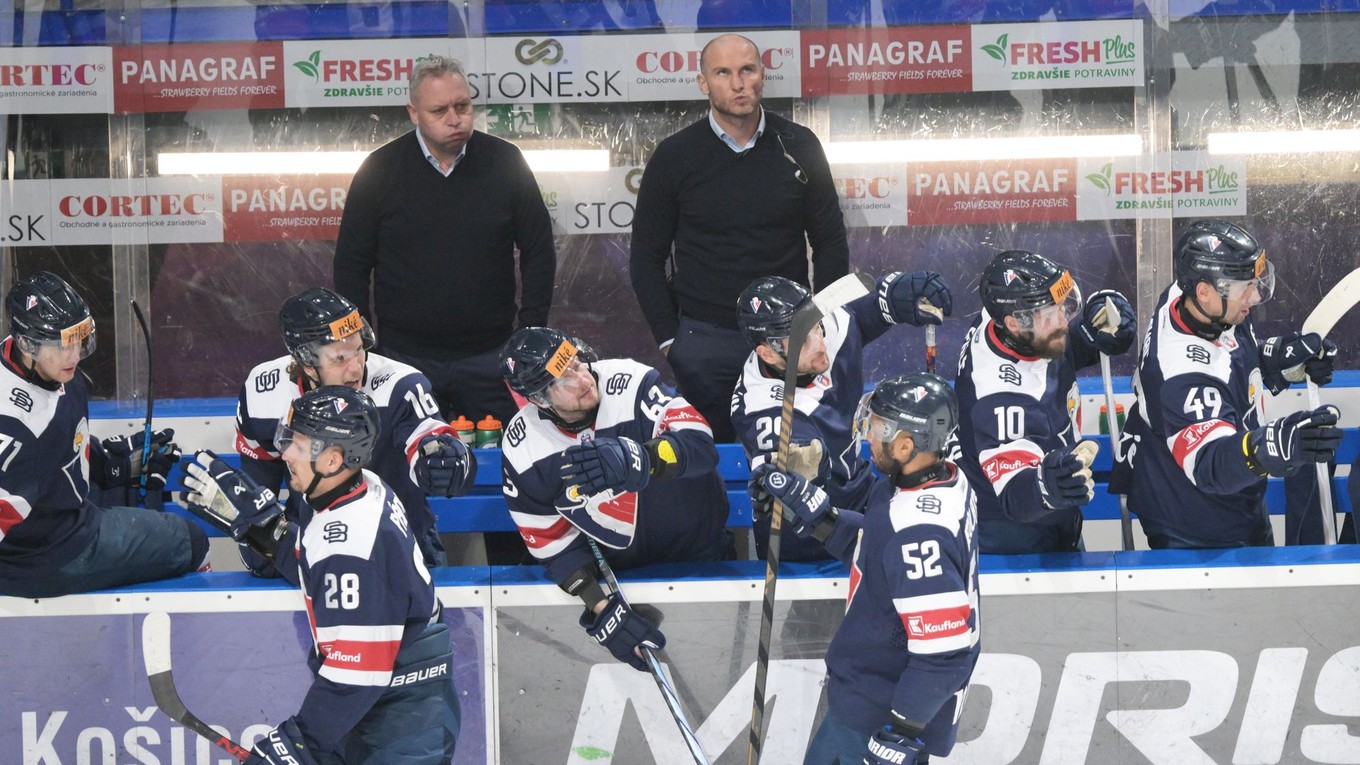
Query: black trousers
pixel 471 387
pixel 707 361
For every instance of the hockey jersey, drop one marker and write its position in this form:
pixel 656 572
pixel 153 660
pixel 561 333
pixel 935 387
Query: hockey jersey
pixel 668 521
pixel 368 594
pixel 408 413
pixel 910 636
pixel 46 516
pixel 1194 398
pixel 823 410
pixel 1015 409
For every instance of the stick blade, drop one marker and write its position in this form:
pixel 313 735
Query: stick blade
pixel 1335 304
pixel 156 643
pixel 843 290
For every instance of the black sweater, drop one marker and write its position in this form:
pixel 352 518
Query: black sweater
pixel 731 218
pixel 441 251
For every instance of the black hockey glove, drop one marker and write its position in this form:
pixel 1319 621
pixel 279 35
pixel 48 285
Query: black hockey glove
pixel 1281 447
pixel 607 463
pixel 1289 358
pixel 900 295
pixel 889 747
pixel 283 746
pixel 443 466
pixel 1065 476
pixel 233 503
pixel 1111 335
pixel 123 460
pixel 807 506
pixel 621 630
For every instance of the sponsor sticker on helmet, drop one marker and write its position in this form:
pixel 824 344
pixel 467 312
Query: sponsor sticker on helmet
pixel 347 325
pixel 1260 264
pixel 78 332
pixel 1062 288
pixel 561 358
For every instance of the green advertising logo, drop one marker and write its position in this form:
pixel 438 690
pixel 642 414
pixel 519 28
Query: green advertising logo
pixel 1103 179
pixel 997 50
pixel 311 66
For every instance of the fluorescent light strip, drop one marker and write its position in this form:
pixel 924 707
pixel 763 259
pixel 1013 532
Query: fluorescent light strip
pixel 964 149
pixel 1285 142
pixel 346 162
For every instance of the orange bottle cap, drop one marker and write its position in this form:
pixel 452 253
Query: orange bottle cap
pixel 462 423
pixel 489 423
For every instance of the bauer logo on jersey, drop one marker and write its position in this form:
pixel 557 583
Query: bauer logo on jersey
pixel 1062 288
pixel 77 333
pixel 347 325
pixel 561 359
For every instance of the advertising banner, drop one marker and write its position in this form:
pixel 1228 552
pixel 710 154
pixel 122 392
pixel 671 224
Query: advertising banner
pixel 284 207
pixel 1070 54
pixel 1002 191
pixel 926 59
pixel 872 195
pixel 591 203
pixel 1180 184
pixel 363 72
pixel 149 210
pixel 665 67
pixel 181 78
pixel 75 80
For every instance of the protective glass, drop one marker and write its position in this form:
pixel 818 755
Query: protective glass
pixel 780 345
pixel 1254 291
pixel 1065 307
pixel 78 338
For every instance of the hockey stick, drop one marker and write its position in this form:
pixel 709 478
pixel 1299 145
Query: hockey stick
pixel 150 499
pixel 928 307
pixel 836 294
pixel 1324 317
pixel 156 656
pixel 1109 323
pixel 654 667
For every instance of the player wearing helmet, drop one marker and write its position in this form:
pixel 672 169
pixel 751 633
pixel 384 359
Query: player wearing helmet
pixel 1196 447
pixel 328 343
pixel 604 449
pixel 899 664
pixel 830 384
pixel 54 540
pixel 383 688
pixel 1017 384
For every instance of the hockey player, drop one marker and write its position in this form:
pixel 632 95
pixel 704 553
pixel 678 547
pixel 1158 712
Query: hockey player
pixel 899 665
pixel 1199 451
pixel 383 691
pixel 604 449
pixel 328 344
pixel 1017 383
pixel 54 540
pixel 830 385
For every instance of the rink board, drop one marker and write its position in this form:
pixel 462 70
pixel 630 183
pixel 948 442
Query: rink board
pixel 1154 657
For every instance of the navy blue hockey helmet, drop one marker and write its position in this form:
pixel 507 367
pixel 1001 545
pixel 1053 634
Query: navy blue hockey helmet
pixel 921 404
pixel 535 357
pixel 333 415
pixel 44 310
pixel 1020 283
pixel 1224 255
pixel 765 311
pixel 317 317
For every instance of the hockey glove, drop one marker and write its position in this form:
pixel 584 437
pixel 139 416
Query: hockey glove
pixel 1289 358
pixel 233 503
pixel 900 297
pixel 1065 476
pixel 607 463
pixel 123 460
pixel 1281 447
pixel 621 630
pixel 1111 335
pixel 803 459
pixel 443 466
pixel 806 505
pixel 283 746
pixel 888 746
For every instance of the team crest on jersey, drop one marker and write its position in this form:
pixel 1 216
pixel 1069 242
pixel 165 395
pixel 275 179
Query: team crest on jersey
pixel 335 531
pixel 1009 374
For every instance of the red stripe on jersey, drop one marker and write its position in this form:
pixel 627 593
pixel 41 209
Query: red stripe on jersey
pixel 1003 464
pixel 937 623
pixel 621 508
pixel 361 655
pixel 537 538
pixel 415 445
pixel 9 517
pixel 244 448
pixel 681 414
pixel 1193 437
pixel 855 576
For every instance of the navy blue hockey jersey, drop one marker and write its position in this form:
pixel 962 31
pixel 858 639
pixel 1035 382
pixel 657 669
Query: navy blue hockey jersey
pixel 1195 396
pixel 368 594
pixel 910 637
pixel 671 520
pixel 1014 409
pixel 405 406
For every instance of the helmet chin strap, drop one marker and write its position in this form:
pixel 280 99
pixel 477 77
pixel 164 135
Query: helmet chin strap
pixel 1014 342
pixel 317 475
pixel 31 369
pixel 1208 330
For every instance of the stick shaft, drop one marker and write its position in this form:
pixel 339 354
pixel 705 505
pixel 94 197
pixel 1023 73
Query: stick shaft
pixel 156 657
pixel 1324 479
pixel 147 499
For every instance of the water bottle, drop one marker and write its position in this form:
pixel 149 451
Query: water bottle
pixel 464 428
pixel 1105 418
pixel 489 433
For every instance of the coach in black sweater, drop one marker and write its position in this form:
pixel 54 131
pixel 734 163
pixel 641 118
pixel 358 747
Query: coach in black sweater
pixel 432 222
pixel 738 195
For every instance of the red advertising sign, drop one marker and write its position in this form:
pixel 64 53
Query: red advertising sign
pixel 1000 191
pixel 281 208
pixel 892 60
pixel 177 78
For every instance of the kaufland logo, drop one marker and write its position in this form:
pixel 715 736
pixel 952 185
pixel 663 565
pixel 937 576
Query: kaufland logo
pixel 1109 50
pixel 918 627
